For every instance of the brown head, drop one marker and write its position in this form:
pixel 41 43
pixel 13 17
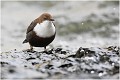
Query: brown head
pixel 45 16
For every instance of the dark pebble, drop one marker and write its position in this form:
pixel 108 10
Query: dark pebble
pixel 49 52
pixel 58 50
pixel 63 52
pixel 73 56
pixel 104 58
pixel 49 66
pixel 34 63
pixel 79 54
pixel 14 49
pixel 11 70
pixel 30 54
pixel 66 65
pixel 30 58
pixel 100 71
pixel 115 70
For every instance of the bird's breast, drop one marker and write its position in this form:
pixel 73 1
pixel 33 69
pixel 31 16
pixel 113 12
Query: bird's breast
pixel 44 29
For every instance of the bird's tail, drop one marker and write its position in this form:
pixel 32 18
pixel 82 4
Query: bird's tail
pixel 25 41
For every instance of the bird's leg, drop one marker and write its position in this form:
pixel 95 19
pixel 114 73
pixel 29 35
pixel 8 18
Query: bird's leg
pixel 31 48
pixel 45 49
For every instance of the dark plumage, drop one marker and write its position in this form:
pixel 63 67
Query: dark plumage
pixel 32 36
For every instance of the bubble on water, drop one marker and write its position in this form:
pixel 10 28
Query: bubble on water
pixel 92 72
pixel 114 8
pixel 100 74
pixel 82 23
pixel 113 64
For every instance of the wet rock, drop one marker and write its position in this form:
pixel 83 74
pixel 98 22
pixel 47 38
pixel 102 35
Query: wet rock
pixel 59 63
pixel 73 56
pixel 104 58
pixel 49 66
pixel 34 63
pixel 66 65
pixel 81 52
pixel 30 58
pixel 63 52
pixel 58 50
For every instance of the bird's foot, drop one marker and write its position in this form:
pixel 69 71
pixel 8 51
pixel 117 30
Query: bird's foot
pixel 45 50
pixel 29 50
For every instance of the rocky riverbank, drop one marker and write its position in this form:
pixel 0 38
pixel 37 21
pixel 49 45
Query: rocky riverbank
pixel 58 63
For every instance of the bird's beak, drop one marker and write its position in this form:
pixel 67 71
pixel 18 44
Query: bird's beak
pixel 52 20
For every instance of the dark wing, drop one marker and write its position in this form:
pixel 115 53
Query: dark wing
pixel 31 26
pixel 29 30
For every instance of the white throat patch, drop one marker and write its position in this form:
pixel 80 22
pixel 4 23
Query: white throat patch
pixel 44 29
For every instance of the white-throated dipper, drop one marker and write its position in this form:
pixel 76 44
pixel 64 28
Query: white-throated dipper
pixel 41 32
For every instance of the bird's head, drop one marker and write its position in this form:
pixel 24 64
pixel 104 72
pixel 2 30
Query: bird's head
pixel 46 16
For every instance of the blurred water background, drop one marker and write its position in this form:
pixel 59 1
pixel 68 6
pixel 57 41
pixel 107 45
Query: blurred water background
pixel 78 23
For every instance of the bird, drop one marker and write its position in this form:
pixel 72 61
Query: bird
pixel 41 32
